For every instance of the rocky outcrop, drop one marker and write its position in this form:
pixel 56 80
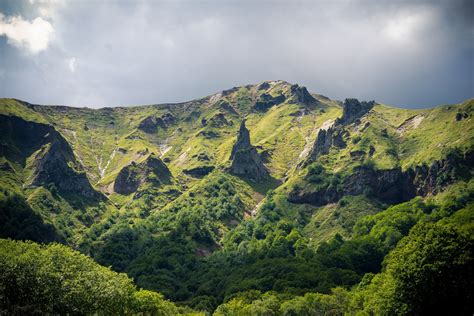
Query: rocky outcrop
pixel 264 86
pixel 132 176
pixel 433 178
pixel 151 123
pixel 333 136
pixel 54 162
pixel 461 116
pixel 390 186
pixel 352 110
pixel 199 172
pixel 301 95
pixel 266 101
pixel 245 159
pixel 229 91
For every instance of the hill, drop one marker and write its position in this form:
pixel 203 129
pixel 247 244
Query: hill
pixel 252 196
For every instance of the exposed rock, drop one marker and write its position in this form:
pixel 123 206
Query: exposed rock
pixel 199 172
pixel 245 159
pixel 266 101
pixel 264 86
pixel 333 136
pixel 302 95
pixel 54 161
pixel 461 115
pixel 230 91
pixel 352 109
pixel 410 123
pixel 432 179
pixel 391 186
pixel 132 176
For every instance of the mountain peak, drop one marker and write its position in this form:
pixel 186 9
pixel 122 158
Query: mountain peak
pixel 245 159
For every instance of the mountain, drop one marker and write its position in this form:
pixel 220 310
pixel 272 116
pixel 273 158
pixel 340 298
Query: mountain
pixel 264 198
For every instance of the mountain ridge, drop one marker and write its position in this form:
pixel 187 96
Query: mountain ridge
pixel 254 176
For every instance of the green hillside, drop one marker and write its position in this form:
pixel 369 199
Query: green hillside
pixel 258 200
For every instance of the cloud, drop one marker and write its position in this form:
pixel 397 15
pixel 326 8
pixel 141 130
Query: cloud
pixel 72 64
pixel 404 53
pixel 33 36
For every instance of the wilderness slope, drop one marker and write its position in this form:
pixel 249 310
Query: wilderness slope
pixel 196 199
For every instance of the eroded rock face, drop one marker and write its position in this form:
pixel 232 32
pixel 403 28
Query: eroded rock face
pixel 245 159
pixel 391 186
pixel 54 161
pixel 132 176
pixel 333 136
pixel 352 110
pixel 302 95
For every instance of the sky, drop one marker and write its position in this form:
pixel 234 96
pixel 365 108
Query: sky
pixel 411 54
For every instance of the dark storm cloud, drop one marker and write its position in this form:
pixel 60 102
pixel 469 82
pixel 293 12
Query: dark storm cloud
pixel 411 54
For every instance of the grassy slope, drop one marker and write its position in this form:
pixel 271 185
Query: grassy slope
pixel 108 139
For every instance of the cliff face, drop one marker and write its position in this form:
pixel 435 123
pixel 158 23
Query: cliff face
pixel 54 161
pixel 245 159
pixel 352 111
pixel 301 95
pixel 132 176
pixel 390 186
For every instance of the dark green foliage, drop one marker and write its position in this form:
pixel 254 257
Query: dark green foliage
pixel 433 272
pixel 38 279
pixel 19 221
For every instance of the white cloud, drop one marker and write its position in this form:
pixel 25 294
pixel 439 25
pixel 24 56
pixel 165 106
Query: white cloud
pixel 72 64
pixel 403 28
pixel 33 36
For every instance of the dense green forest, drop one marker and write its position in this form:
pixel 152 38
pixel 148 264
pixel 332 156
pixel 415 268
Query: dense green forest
pixel 259 200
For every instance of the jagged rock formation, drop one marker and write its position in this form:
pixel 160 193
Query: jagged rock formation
pixel 333 136
pixel 352 110
pixel 245 159
pixel 151 123
pixel 54 161
pixel 132 176
pixel 391 186
pixel 302 95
